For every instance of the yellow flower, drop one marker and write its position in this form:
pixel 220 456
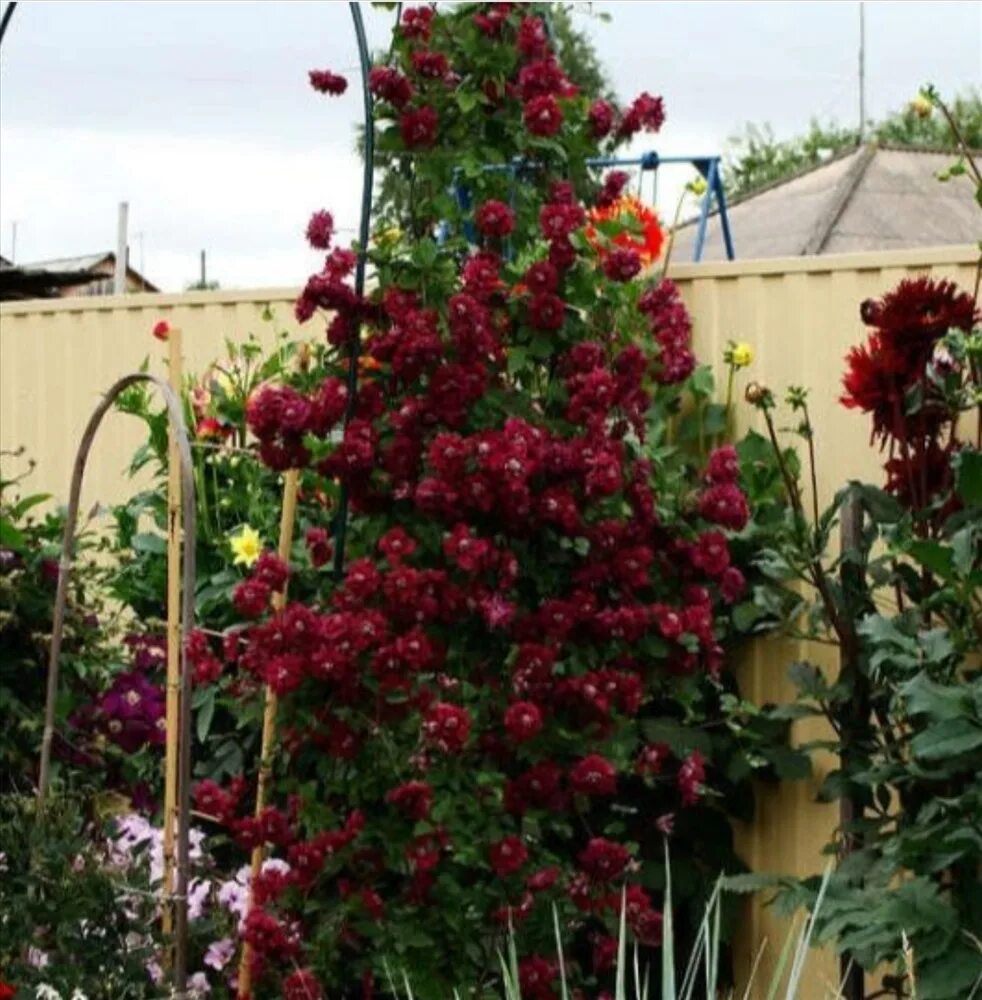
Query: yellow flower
pixel 697 186
pixel 741 355
pixel 386 237
pixel 247 546
pixel 921 106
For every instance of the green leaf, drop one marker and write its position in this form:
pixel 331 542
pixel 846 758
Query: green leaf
pixel 750 882
pixel 948 739
pixel 11 537
pixel 20 508
pixel 205 715
pixel 154 544
pixel 939 701
pixel 938 558
pixel 968 476
pixel 791 765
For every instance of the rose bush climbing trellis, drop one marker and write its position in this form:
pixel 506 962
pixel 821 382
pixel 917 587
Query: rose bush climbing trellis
pixel 516 688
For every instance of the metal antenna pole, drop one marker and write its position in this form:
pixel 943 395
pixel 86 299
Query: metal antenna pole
pixel 862 71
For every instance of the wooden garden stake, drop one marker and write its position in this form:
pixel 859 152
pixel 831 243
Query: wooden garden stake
pixel 287 519
pixel 173 702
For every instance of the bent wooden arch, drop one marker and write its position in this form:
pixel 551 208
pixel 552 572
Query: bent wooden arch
pixel 189 523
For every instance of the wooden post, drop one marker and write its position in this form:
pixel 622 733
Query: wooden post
pixel 173 703
pixel 287 519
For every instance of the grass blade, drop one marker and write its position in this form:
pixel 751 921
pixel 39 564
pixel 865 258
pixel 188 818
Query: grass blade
pixel 564 990
pixel 668 936
pixel 620 984
pixel 804 943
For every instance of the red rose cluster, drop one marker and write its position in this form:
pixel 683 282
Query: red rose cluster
pixel 521 592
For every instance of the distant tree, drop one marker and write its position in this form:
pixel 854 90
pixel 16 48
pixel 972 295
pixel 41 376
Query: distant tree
pixel 756 158
pixel 202 286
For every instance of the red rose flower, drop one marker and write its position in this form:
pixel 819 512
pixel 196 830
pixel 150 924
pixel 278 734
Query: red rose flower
pixel 711 553
pixel 430 65
pixel 320 230
pixel 447 727
pixel 546 311
pixel 691 776
pixel 302 985
pixel 543 116
pixel 390 85
pixel 495 218
pixel 326 82
pixel 507 856
pixel 251 598
pixel 604 860
pixel 725 504
pixel 319 547
pixel 601 118
pixel 621 263
pixel 593 775
pixel 418 127
pixel 523 720
pixel 413 798
pixel 417 23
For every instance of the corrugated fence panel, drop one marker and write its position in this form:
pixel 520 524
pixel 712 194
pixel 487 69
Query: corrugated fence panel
pixel 57 358
pixel 800 315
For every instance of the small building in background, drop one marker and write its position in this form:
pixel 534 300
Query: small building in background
pixel 870 197
pixel 91 274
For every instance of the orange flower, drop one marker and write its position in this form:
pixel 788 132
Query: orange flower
pixel 628 210
pixel 366 363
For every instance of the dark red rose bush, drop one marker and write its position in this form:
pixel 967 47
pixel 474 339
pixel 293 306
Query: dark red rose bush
pixel 512 691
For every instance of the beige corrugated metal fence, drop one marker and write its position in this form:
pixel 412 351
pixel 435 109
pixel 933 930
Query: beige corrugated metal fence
pixel 800 316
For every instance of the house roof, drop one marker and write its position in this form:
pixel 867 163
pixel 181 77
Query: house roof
pixel 81 263
pixel 41 279
pixel 870 197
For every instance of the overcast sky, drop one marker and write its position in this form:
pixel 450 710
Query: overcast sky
pixel 199 113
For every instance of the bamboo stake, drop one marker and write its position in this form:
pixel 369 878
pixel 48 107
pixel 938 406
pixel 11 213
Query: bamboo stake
pixel 172 717
pixel 287 519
